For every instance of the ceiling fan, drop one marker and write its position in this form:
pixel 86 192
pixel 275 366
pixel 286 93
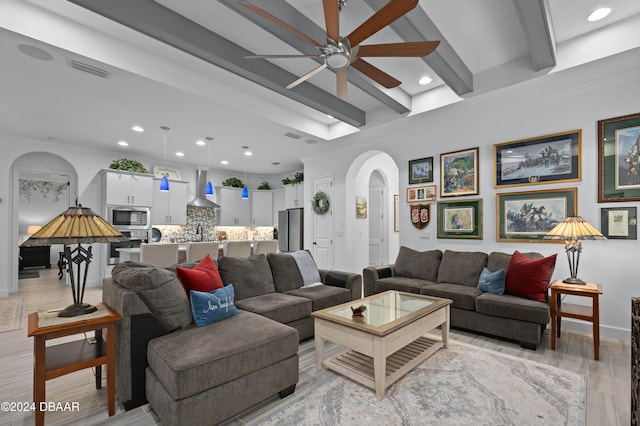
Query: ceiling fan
pixel 338 53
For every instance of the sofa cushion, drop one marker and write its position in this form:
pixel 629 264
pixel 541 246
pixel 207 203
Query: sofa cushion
pixel 529 277
pixel 498 260
pixel 279 307
pixel 284 270
pixel 214 306
pixel 493 282
pixel 463 296
pixel 514 307
pixel 461 267
pixel 202 358
pixel 250 276
pixel 417 264
pixel 159 289
pixel 203 277
pixel 409 285
pixel 323 296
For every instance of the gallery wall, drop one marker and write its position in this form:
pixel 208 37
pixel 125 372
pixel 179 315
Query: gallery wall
pixel 568 100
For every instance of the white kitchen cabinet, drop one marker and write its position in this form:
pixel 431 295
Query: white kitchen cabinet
pixel 127 189
pixel 261 208
pixel 293 196
pixel 169 207
pixel 234 211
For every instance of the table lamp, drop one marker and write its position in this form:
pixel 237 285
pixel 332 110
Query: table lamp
pixel 572 230
pixel 76 225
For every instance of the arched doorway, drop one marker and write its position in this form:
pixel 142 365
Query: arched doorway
pixel 357 229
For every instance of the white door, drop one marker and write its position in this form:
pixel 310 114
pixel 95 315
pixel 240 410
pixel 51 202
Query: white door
pixel 323 225
pixel 376 225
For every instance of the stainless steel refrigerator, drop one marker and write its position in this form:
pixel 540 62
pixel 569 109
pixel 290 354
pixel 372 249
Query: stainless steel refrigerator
pixel 290 230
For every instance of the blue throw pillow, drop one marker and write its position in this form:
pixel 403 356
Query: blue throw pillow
pixel 493 282
pixel 217 305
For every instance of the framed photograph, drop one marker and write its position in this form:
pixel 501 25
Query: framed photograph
pixel 460 219
pixel 396 213
pixel 529 216
pixel 421 193
pixel 421 171
pixel 543 159
pixel 361 207
pixel 459 173
pixel 619 223
pixel 618 150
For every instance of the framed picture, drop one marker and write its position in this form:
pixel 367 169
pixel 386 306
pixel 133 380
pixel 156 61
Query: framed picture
pixel 396 213
pixel 459 173
pixel 460 219
pixel 361 207
pixel 618 150
pixel 619 223
pixel 421 171
pixel 544 159
pixel 529 216
pixel 421 193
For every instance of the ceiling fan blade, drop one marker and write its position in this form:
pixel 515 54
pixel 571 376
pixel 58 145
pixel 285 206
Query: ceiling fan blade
pixel 416 49
pixel 307 76
pixel 331 19
pixel 341 74
pixel 280 23
pixel 375 73
pixel 280 56
pixel 383 17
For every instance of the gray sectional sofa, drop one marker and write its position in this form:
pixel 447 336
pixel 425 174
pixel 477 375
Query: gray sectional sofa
pixel 203 375
pixel 454 275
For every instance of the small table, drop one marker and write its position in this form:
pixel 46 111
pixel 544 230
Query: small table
pixel 570 310
pixel 390 340
pixel 57 360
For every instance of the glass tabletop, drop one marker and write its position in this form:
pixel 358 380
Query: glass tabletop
pixel 384 308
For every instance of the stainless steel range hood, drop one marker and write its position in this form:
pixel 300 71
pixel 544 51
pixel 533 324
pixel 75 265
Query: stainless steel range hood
pixel 201 198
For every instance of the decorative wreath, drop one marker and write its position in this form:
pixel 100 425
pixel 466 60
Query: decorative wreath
pixel 320 203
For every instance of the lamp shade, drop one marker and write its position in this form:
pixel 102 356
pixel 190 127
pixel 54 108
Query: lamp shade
pixel 245 193
pixel 164 184
pixel 574 228
pixel 32 229
pixel 209 189
pixel 74 226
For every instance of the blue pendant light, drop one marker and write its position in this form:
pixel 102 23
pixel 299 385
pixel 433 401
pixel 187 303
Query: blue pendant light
pixel 245 193
pixel 245 190
pixel 164 182
pixel 209 188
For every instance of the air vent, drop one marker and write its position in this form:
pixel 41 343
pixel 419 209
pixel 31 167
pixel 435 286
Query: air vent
pixel 81 66
pixel 292 135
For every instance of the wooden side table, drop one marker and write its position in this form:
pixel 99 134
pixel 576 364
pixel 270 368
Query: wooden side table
pixel 57 360
pixel 570 310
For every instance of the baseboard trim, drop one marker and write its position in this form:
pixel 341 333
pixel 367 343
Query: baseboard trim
pixel 605 330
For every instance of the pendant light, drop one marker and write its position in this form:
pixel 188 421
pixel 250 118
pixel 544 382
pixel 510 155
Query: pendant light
pixel 245 190
pixel 164 182
pixel 209 189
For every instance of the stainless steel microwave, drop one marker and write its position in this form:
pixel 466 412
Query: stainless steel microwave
pixel 126 218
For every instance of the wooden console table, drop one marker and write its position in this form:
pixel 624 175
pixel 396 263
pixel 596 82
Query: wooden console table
pixel 570 310
pixel 57 360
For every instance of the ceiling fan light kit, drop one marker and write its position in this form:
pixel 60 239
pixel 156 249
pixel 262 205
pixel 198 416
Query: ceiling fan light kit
pixel 338 53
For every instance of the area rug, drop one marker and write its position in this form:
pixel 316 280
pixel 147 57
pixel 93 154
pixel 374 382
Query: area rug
pixel 461 385
pixel 10 314
pixel 28 274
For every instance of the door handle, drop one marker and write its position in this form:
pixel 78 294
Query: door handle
pixel 314 243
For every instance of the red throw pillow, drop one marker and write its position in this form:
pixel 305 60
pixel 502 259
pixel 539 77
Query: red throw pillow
pixel 529 278
pixel 203 277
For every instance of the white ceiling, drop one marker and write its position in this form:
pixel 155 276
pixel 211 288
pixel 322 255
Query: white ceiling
pixel 154 84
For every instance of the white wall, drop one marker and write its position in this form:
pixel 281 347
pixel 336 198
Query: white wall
pixel 564 101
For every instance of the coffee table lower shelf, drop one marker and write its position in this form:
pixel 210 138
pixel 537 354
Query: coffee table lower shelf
pixel 359 367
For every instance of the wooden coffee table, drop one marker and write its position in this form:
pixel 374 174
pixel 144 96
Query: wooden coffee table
pixel 390 340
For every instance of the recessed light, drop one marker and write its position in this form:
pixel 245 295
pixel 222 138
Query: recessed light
pixel 425 80
pixel 225 162
pixel 138 129
pixel 179 154
pixel 123 143
pixel 248 153
pixel 330 116
pixel 599 14
pixel 35 52
pixel 201 142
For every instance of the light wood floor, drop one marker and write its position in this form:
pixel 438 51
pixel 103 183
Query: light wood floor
pixel 608 380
